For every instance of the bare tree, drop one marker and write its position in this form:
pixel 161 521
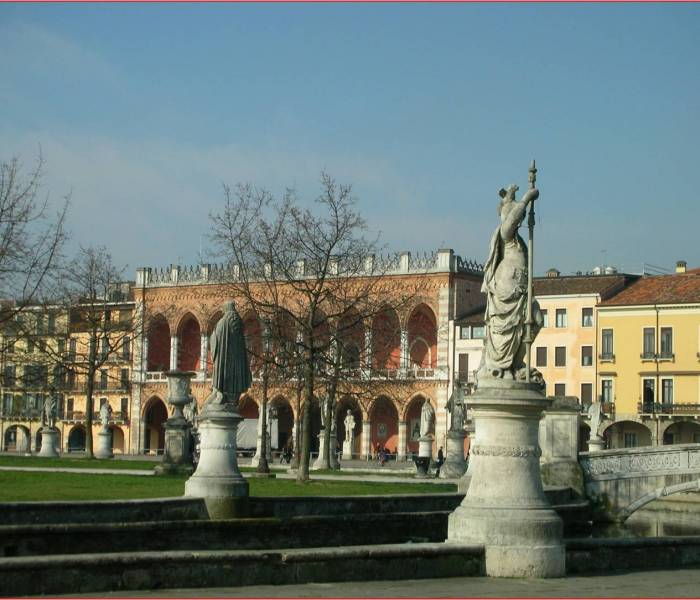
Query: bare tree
pixel 102 324
pixel 31 237
pixel 312 265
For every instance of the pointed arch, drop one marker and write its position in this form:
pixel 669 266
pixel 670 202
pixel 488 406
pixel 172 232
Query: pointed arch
pixel 189 349
pixel 422 327
pixel 158 344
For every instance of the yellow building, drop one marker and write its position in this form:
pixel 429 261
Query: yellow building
pixel 564 350
pixel 649 361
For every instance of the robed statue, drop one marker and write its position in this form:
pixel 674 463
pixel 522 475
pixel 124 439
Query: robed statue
pixel 105 415
pixel 595 414
pixel 455 406
pixel 506 287
pixel 427 416
pixel 231 374
pixel 49 412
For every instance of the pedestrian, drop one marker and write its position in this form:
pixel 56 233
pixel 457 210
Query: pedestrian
pixel 440 461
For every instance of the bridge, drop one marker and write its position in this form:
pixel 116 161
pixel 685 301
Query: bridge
pixel 623 480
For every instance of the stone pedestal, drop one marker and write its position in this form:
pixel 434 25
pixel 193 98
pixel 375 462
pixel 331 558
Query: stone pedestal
pixel 104 445
pixel 425 451
pixel 505 508
pixel 455 465
pixel 558 437
pixel 596 444
pixel 319 463
pixel 347 450
pixel 177 457
pixel 335 463
pixel 49 442
pixel 217 478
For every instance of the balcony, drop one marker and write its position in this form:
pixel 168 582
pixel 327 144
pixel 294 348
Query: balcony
pixel 648 356
pixel 606 357
pixel 668 408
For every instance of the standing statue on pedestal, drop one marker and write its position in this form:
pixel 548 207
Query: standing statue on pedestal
pixel 595 414
pixel 49 412
pixel 455 406
pixel 349 423
pixel 105 414
pixel 506 288
pixel 231 374
pixel 190 412
pixel 427 416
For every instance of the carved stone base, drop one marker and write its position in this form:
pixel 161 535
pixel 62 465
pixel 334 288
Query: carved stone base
pixel 49 442
pixel 505 508
pixel 596 444
pixel 320 462
pixel 177 457
pixel 455 465
pixel 217 478
pixel 347 450
pixel 104 445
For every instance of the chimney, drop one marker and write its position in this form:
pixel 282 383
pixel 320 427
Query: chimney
pixel 681 266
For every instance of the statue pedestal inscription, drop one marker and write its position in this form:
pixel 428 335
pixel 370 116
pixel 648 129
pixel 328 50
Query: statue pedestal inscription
pixel 177 457
pixel 217 478
pixel 425 451
pixel 505 508
pixel 104 444
pixel 455 465
pixel 49 442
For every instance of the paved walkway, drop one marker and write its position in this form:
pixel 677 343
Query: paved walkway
pixel 683 583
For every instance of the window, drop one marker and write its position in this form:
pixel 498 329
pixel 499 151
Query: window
pixel 30 346
pixel 463 372
pixel 472 332
pixel 69 408
pixel 560 389
pixel 103 379
pixel 124 406
pixel 73 348
pixel 7 404
pixel 630 440
pixel 545 318
pixel 52 323
pixel 478 332
pixel 606 390
pixel 606 350
pixel 40 324
pixel 464 333
pixel 586 317
pixel 649 343
pixel 10 346
pixel 541 356
pixel 104 351
pixel 126 348
pixel 61 346
pixel 59 376
pixel 586 356
pixel 561 317
pixel 648 395
pixel 666 342
pixel 124 378
pixel 9 375
pixel 560 356
pixel 586 394
pixel 667 391
pixel 71 379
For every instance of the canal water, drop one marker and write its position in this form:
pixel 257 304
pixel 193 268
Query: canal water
pixel 651 523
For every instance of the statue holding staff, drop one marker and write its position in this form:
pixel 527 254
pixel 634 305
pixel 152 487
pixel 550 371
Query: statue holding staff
pixel 506 285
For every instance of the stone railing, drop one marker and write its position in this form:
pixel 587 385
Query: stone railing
pixel 442 261
pixel 626 463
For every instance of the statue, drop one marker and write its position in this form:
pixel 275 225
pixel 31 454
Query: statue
pixel 49 412
pixel 349 423
pixel 190 411
pixel 455 406
pixel 506 287
pixel 427 415
pixel 231 374
pixel 324 410
pixel 105 414
pixel 594 414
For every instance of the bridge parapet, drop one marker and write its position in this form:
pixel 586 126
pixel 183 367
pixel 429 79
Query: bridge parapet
pixel 622 480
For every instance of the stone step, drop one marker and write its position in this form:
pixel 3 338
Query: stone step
pixel 114 572
pixel 238 534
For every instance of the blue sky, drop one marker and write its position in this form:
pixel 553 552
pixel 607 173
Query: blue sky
pixel 142 111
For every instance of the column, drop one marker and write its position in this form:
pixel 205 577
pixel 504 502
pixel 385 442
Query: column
pixel 365 448
pixel 404 349
pixel 173 352
pixel 401 449
pixel 203 352
pixel 143 359
pixel 368 347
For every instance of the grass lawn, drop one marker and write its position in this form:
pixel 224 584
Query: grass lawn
pixel 74 463
pixel 25 486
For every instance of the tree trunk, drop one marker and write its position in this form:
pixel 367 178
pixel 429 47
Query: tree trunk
pixel 303 473
pixel 328 419
pixel 296 459
pixel 89 386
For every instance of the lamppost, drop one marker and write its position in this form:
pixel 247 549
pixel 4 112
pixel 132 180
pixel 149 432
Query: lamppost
pixel 298 351
pixel 263 467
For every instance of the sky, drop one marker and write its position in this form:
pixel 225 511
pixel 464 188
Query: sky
pixel 142 111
